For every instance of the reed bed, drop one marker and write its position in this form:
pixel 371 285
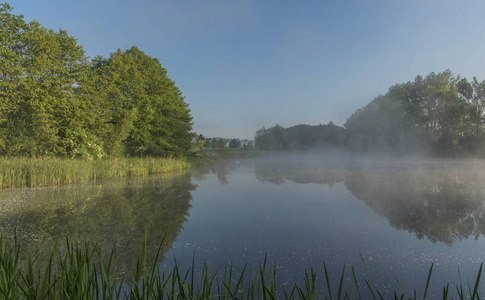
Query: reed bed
pixel 29 172
pixel 82 272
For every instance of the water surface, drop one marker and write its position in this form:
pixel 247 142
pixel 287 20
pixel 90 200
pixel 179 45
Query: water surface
pixel 401 216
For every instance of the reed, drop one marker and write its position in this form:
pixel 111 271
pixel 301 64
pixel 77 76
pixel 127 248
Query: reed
pixel 30 172
pixel 83 272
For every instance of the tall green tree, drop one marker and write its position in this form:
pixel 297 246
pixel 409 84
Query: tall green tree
pixel 476 98
pixel 145 112
pixel 221 146
pixel 437 108
pixel 382 125
pixel 40 68
pixel 12 31
pixel 431 112
pixel 55 102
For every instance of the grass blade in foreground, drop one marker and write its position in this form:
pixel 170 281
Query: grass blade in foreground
pixel 83 272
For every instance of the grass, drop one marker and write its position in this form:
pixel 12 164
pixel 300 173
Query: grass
pixel 29 172
pixel 82 272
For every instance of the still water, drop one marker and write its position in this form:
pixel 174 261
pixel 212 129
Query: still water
pixel 399 216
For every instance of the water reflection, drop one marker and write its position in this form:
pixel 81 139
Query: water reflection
pixel 118 211
pixel 221 168
pixel 440 201
pixel 277 171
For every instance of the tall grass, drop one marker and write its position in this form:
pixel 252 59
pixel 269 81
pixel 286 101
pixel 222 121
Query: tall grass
pixel 82 272
pixel 29 172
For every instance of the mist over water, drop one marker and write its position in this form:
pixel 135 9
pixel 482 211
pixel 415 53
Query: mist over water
pixel 401 215
pixel 413 194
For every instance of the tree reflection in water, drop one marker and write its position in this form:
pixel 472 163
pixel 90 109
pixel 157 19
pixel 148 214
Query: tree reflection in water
pixel 442 201
pixel 221 168
pixel 108 212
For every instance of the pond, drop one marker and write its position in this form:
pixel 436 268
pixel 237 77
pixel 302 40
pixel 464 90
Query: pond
pixel 399 216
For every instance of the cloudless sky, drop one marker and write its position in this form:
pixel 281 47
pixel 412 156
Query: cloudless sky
pixel 244 64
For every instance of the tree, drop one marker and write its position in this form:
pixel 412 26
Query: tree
pixel 213 143
pixel 320 137
pixel 12 31
pixel 429 113
pixel 235 143
pixel 197 146
pixel 271 139
pixel 377 127
pixel 55 102
pixel 144 111
pixel 476 98
pixel 221 145
pixel 39 75
pixel 201 137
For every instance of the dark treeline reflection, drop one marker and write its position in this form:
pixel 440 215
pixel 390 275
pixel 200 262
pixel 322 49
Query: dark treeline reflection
pixel 441 201
pixel 221 169
pixel 109 212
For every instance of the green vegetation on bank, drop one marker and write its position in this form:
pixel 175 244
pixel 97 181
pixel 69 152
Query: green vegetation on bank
pixel 84 272
pixel 28 172
pixel 55 101
pixel 439 114
pixel 78 113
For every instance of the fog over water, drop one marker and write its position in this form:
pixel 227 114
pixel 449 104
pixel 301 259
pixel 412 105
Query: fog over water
pixel 401 215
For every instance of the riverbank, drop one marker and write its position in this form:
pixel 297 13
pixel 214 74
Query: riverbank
pixel 30 172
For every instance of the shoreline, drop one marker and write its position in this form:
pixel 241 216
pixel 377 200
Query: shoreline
pixel 20 172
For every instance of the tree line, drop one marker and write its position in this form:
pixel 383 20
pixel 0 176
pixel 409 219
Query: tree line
pixel 439 114
pixel 55 101
pixel 223 143
pixel 300 137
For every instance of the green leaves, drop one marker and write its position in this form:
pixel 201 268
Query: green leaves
pixel 145 112
pixel 48 89
pixel 440 113
pixel 39 67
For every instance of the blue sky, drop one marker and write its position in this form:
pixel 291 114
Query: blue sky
pixel 244 64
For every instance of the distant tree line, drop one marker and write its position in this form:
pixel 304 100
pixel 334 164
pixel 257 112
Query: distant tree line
pixel 55 101
pixel 440 114
pixel 300 137
pixel 222 143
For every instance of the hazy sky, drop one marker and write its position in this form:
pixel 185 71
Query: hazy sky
pixel 245 64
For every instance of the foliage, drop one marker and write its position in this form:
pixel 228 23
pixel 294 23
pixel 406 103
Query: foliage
pixel 300 137
pixel 380 126
pixel 84 146
pixel 38 87
pixel 145 112
pixel 235 143
pixel 306 137
pixel 50 92
pixel 221 146
pixel 440 114
pixel 273 138
pixel 197 146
